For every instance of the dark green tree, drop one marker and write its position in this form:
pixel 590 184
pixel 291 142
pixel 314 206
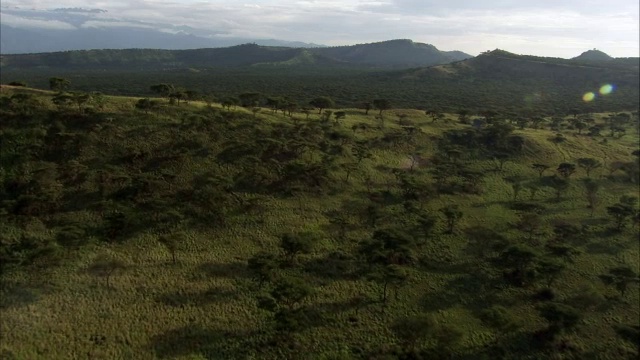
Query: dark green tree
pixel 588 164
pixel 620 214
pixel 381 105
pixel 263 266
pixel 321 103
pixel 59 84
pixel 295 244
pixel 561 318
pixel 452 216
pixel 566 170
pixel 540 168
pixel 620 277
pixel 164 90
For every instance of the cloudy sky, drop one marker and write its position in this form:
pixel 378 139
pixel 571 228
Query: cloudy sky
pixel 562 28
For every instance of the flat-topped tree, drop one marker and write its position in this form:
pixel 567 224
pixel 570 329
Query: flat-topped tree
pixel 59 84
pixel 561 318
pixel 588 164
pixel 382 105
pixel 620 277
pixel 540 168
pixel 299 243
pixel 452 215
pixel 249 99
pixel 321 103
pixel 164 90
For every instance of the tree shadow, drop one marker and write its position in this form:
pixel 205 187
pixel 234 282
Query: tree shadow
pixel 197 340
pixel 229 270
pixel 333 266
pixel 198 298
pixel 473 291
pixel 599 247
pixel 15 294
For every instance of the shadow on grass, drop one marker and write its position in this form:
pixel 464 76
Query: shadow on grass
pixel 229 270
pixel 473 291
pixel 15 294
pixel 601 247
pixel 182 298
pixel 196 340
pixel 333 266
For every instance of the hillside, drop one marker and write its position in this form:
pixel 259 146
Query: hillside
pixel 593 55
pixel 139 228
pixel 404 53
pixel 497 80
pixel 397 53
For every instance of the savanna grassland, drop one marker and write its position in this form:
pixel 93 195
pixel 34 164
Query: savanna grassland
pixel 147 229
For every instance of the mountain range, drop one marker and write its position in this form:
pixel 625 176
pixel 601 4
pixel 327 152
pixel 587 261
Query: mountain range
pixel 387 54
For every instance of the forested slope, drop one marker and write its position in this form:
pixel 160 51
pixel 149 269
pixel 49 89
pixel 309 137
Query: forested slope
pixel 136 228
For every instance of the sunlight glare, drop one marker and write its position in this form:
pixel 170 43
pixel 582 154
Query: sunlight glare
pixel 606 89
pixel 588 96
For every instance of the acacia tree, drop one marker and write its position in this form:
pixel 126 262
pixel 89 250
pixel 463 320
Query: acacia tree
pixel 620 277
pixel 263 265
pixel 561 318
pixel 284 301
pixel 540 168
pixel 381 105
pixel 322 103
pixel 59 84
pixel 529 223
pixel 452 216
pixel 164 90
pixel 620 214
pixel 366 106
pixel 588 164
pixel 566 170
pixel 294 244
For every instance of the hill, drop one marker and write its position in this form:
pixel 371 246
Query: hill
pixel 533 81
pixel 139 228
pixel 496 80
pixel 593 55
pixel 399 53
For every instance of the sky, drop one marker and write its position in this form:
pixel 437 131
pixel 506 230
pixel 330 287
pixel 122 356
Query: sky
pixel 558 28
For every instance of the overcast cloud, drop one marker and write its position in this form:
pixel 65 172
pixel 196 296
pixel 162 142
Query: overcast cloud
pixel 543 27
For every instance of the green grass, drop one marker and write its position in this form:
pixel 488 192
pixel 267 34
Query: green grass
pixel 205 305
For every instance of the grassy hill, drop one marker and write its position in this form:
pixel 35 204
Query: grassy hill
pixel 497 81
pixel 200 232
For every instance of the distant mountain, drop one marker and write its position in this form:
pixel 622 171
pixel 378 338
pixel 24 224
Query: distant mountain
pixel 534 82
pixel 593 55
pixel 401 52
pixel 24 41
pixel 396 54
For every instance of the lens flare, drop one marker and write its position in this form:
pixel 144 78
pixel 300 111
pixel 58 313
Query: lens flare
pixel 590 96
pixel 606 89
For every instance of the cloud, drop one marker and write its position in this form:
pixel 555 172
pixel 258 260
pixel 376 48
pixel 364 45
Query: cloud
pixel 35 23
pixel 542 27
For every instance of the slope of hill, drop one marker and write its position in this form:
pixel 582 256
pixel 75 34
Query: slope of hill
pixel 144 229
pixel 400 53
pixel 537 81
pixel 593 55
